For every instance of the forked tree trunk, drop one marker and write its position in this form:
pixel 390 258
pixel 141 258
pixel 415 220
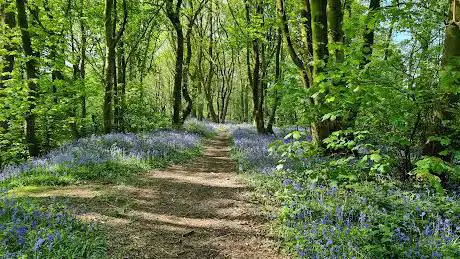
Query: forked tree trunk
pixel 111 37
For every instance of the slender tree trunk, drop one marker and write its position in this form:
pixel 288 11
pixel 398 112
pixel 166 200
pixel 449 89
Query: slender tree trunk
pixel 9 19
pixel 369 32
pixel 386 53
pixel 277 96
pixel 32 75
pixel 188 58
pixel 335 23
pixel 306 28
pixel 200 76
pixel 258 113
pixel 174 17
pixel 302 65
pixel 112 38
pixel 110 64
pixel 121 76
pixel 208 87
pixel 82 70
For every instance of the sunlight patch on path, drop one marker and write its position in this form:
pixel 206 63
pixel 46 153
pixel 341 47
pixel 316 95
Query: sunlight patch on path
pixel 205 179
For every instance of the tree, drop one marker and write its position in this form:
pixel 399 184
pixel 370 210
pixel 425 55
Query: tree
pixel 335 25
pixel 32 75
pixel 369 32
pixel 445 114
pixel 9 19
pixel 112 37
pixel 173 13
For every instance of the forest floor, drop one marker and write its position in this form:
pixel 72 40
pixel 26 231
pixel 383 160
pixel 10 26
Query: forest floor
pixel 201 209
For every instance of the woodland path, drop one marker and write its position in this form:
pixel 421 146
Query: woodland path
pixel 201 209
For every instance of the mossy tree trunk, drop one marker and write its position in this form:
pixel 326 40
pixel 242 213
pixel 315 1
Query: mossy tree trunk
pixel 445 114
pixel 319 129
pixel 335 24
pixel 369 33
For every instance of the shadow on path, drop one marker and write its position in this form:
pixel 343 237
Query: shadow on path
pixel 197 210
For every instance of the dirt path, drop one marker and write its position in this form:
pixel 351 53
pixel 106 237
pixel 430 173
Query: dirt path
pixel 197 210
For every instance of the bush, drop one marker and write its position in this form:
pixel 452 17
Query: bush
pixel 346 204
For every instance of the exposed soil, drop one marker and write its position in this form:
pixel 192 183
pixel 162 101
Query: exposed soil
pixel 201 209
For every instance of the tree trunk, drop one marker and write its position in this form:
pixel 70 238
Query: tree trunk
pixel 110 63
pixel 174 17
pixel 302 65
pixel 82 70
pixel 32 75
pixel 209 78
pixel 369 32
pixel 319 129
pixel 200 96
pixel 121 76
pixel 335 23
pixel 258 113
pixel 451 74
pixel 277 96
pixel 10 21
pixel 188 58
pixel 111 37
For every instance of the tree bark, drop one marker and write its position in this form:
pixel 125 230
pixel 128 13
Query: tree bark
pixel 32 75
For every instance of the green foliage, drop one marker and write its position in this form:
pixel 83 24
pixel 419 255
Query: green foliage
pixel 207 130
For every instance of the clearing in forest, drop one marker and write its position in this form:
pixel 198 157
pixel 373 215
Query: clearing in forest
pixel 200 209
